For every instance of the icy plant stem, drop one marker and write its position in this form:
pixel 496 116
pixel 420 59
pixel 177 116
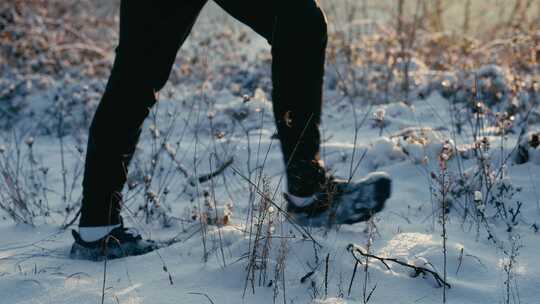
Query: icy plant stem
pixel 444 232
pixel 199 207
pixel 367 295
pixel 352 277
pixel 217 216
pixel 62 156
pixel 444 187
pixel 104 275
pixel 326 276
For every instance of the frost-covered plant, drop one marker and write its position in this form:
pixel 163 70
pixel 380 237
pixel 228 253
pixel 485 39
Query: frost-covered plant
pixel 261 230
pixel 509 264
pixel 528 149
pixel 440 191
pixel 378 120
pixel 24 186
pixel 155 170
pixel 279 270
pixel 214 214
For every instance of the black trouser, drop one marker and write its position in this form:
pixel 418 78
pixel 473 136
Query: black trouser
pixel 151 32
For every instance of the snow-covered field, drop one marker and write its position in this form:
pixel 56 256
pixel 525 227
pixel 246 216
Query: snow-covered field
pixel 35 267
pixel 432 146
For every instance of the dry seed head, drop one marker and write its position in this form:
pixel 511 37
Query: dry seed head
pixel 154 131
pixel 380 114
pixel 480 206
pixel 219 135
pixel 445 83
pixel 477 196
pixel 29 141
pixel 153 197
pixel 170 150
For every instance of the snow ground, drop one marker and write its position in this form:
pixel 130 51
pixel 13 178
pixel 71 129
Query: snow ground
pixel 34 267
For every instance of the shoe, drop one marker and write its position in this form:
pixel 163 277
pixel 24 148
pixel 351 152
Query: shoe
pixel 120 242
pixel 343 202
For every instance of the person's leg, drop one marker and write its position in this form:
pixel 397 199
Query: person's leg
pixel 298 34
pixel 299 49
pixel 297 31
pixel 151 33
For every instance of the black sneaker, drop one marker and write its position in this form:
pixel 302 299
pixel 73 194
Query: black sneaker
pixel 342 202
pixel 120 242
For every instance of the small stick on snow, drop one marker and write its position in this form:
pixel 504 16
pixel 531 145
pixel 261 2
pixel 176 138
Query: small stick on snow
pixel 460 261
pixel 419 270
pixel 209 176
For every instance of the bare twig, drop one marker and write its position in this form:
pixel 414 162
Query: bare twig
pixel 326 275
pixel 204 295
pixel 418 270
pixel 353 275
pixel 68 224
pixel 206 177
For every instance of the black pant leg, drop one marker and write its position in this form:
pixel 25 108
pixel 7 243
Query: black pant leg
pixel 298 50
pixel 150 35
pixel 297 31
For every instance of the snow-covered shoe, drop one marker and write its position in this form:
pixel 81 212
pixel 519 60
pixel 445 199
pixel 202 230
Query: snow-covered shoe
pixel 343 202
pixel 119 243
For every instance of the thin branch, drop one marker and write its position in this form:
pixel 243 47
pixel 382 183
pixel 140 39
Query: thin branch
pixel 418 270
pixel 206 177
pixel 202 294
pixel 68 224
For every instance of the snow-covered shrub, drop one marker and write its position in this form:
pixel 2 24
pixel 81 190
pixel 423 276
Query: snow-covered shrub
pixel 239 114
pixel 383 152
pixel 423 145
pixel 399 110
pixel 216 215
pixel 492 83
pixel 24 184
pixel 210 213
pixel 528 149
pixel 418 145
pixel 489 84
pixel 391 114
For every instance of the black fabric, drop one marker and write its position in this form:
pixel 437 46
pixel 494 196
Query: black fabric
pixel 151 32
